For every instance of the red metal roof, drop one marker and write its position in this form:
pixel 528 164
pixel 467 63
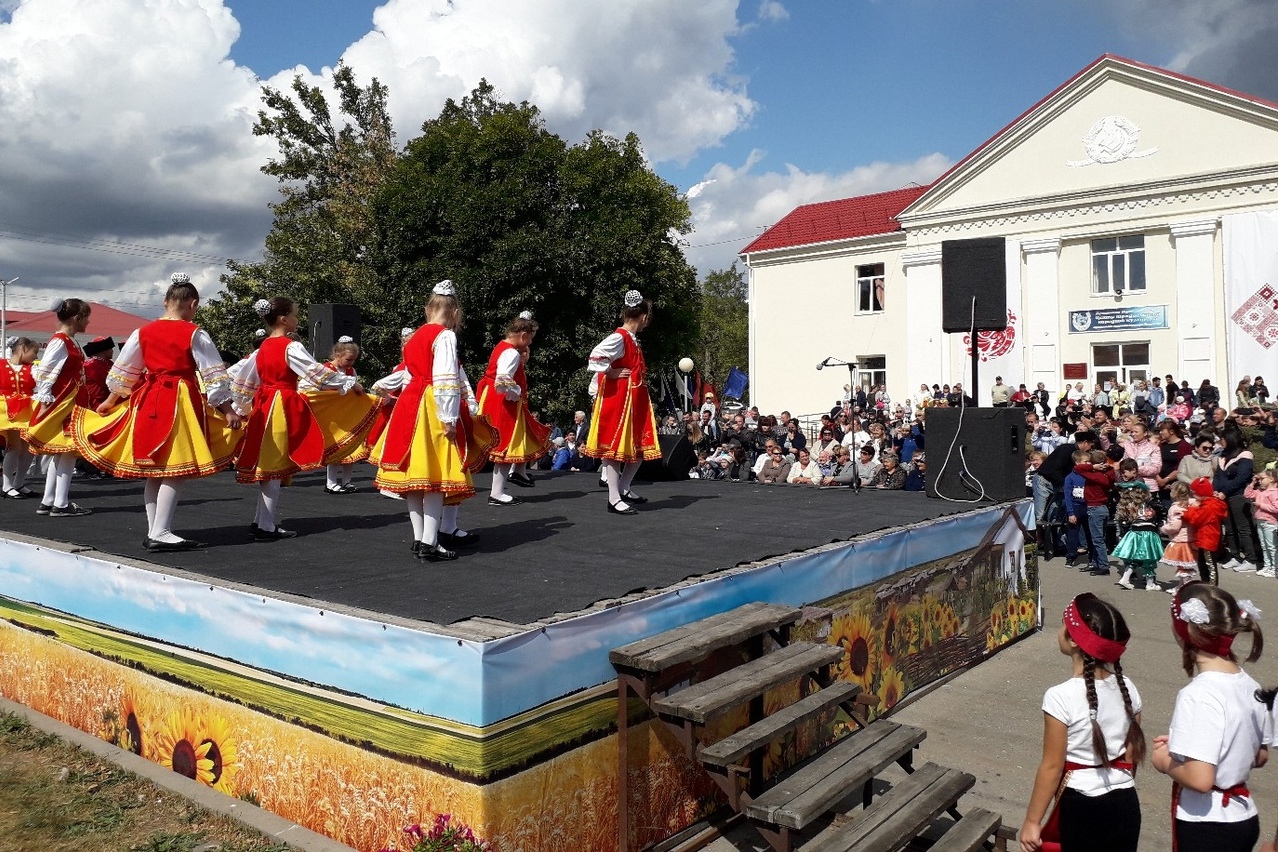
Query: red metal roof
pixel 824 221
pixel 103 322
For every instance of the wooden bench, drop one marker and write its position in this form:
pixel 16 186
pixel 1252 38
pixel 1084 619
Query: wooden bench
pixel 971 832
pixel 698 640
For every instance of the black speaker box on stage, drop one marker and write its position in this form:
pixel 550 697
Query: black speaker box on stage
pixel 973 268
pixel 677 458
pixel 992 444
pixel 328 322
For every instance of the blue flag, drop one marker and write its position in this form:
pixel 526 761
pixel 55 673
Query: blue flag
pixel 735 386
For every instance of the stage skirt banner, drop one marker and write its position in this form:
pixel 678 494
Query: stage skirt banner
pixel 907 608
pixel 1251 293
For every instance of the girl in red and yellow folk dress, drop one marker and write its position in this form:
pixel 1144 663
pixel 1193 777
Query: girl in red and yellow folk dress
pixel 433 442
pixel 16 388
pixel 59 389
pixel 168 431
pixel 283 436
pixel 388 389
pixel 341 361
pixel 623 430
pixel 503 395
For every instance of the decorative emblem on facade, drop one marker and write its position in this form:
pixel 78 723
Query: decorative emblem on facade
pixel 993 344
pixel 1081 320
pixel 1111 140
pixel 1258 316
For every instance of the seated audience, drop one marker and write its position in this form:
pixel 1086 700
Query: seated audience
pixel 775 469
pixel 866 464
pixel 890 476
pixel 804 471
pixel 843 471
pixel 916 478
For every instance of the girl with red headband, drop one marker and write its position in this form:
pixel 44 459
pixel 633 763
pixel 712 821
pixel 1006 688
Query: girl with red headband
pixel 1217 728
pixel 1092 741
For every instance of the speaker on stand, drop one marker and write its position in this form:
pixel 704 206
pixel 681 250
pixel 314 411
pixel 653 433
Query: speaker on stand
pixel 973 290
pixel 329 322
pixel 677 458
pixel 987 453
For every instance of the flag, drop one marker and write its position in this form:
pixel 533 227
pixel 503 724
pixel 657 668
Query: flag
pixel 735 386
pixel 1251 302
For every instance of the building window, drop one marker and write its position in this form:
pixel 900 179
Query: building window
pixel 869 289
pixel 1118 266
pixel 1120 363
pixel 871 371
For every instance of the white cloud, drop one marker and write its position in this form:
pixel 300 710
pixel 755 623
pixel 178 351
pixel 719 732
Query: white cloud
pixel 733 205
pixel 770 10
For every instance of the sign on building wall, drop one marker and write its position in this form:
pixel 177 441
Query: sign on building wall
pixel 1118 319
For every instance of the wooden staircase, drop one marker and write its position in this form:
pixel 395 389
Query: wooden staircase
pixel 791 805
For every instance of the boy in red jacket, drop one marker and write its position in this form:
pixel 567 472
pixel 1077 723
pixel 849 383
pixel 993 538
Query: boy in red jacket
pixel 1204 518
pixel 1098 479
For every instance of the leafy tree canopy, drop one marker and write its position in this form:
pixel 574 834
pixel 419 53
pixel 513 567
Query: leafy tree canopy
pixel 725 324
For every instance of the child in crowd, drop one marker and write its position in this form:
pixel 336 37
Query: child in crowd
pixel 1098 479
pixel 1033 461
pixel 1092 740
pixel 1179 554
pixel 1139 547
pixel 1076 543
pixel 1217 728
pixel 1204 517
pixel 1263 494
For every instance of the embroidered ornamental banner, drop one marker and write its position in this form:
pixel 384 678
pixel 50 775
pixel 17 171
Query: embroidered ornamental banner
pixel 1251 293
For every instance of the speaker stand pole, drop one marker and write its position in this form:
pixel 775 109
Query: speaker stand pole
pixel 976 400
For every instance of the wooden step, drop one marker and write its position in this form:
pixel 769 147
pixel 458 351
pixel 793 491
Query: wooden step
pixel 732 748
pixel 809 789
pixel 698 640
pixel 898 816
pixel 970 833
pixel 710 698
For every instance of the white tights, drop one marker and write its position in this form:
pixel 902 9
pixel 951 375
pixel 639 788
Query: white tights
pixel 425 512
pixel 17 459
pixel 57 480
pixel 268 503
pixel 161 498
pixel 501 473
pixel 619 479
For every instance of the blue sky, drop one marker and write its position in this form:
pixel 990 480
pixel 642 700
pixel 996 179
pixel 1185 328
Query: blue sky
pixel 121 124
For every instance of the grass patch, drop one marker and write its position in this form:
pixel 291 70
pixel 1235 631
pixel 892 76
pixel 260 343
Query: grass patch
pixel 57 798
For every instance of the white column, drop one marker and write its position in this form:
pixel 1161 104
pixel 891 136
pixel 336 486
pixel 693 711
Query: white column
pixel 1198 304
pixel 1043 313
pixel 929 355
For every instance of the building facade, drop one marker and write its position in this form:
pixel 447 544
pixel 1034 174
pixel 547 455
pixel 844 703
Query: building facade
pixel 1139 213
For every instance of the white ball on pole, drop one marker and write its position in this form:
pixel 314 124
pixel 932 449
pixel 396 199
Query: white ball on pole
pixel 686 365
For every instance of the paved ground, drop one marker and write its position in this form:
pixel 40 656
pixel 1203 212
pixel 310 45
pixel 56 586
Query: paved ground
pixel 988 721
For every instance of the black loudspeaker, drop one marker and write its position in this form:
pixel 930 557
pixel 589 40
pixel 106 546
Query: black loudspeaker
pixel 329 322
pixel 677 458
pixel 973 268
pixel 991 444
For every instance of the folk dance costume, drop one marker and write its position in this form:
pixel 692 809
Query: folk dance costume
pixel 59 379
pixel 17 385
pixel 168 430
pixel 623 429
pixel 388 389
pixel 503 393
pixel 415 456
pixel 337 474
pixel 284 435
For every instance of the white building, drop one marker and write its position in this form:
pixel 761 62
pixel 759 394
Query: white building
pixel 1140 213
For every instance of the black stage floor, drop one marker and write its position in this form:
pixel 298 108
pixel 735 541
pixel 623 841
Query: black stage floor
pixel 560 551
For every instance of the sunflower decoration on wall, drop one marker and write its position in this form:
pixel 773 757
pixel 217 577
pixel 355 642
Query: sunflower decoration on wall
pixel 891 624
pixel 180 746
pixel 891 689
pixel 855 635
pixel 222 752
pixel 131 735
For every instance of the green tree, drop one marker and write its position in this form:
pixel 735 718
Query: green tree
pixel 520 220
pixel 725 324
pixel 317 249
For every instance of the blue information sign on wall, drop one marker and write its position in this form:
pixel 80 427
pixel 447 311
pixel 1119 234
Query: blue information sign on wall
pixel 1118 319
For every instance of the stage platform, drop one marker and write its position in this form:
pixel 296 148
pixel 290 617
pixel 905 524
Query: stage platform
pixel 558 553
pixel 347 686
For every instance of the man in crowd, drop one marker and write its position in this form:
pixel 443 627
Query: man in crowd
pixel 1000 394
pixel 1048 484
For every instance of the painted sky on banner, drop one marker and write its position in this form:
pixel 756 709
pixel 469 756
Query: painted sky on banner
pixel 129 121
pixel 468 682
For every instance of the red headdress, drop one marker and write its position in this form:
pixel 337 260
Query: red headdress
pixel 1089 642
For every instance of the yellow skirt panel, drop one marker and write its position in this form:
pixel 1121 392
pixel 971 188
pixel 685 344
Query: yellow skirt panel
pixel 186 454
pixel 50 437
pixel 345 419
pixel 434 462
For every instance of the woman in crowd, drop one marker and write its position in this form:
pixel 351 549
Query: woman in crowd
pixel 1243 397
pixel 17 386
pixel 59 378
pixel 432 445
pixel 804 471
pixel 826 442
pixel 503 400
pixel 793 439
pixel 282 435
pixel 623 431
pixel 775 469
pixel 890 476
pixel 178 419
pixel 1234 469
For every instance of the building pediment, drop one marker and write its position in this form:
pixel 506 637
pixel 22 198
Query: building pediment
pixel 1118 130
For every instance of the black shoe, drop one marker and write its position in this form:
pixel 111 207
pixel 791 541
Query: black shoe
pixel 276 534
pixel 350 488
pixel 634 499
pixel 454 540
pixel 19 494
pixel 513 501
pixel 44 509
pixel 1099 572
pixel 629 510
pixel 523 480
pixel 436 553
pixel 70 510
pixel 335 489
pixel 155 546
pixel 1071 563
pixel 416 548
